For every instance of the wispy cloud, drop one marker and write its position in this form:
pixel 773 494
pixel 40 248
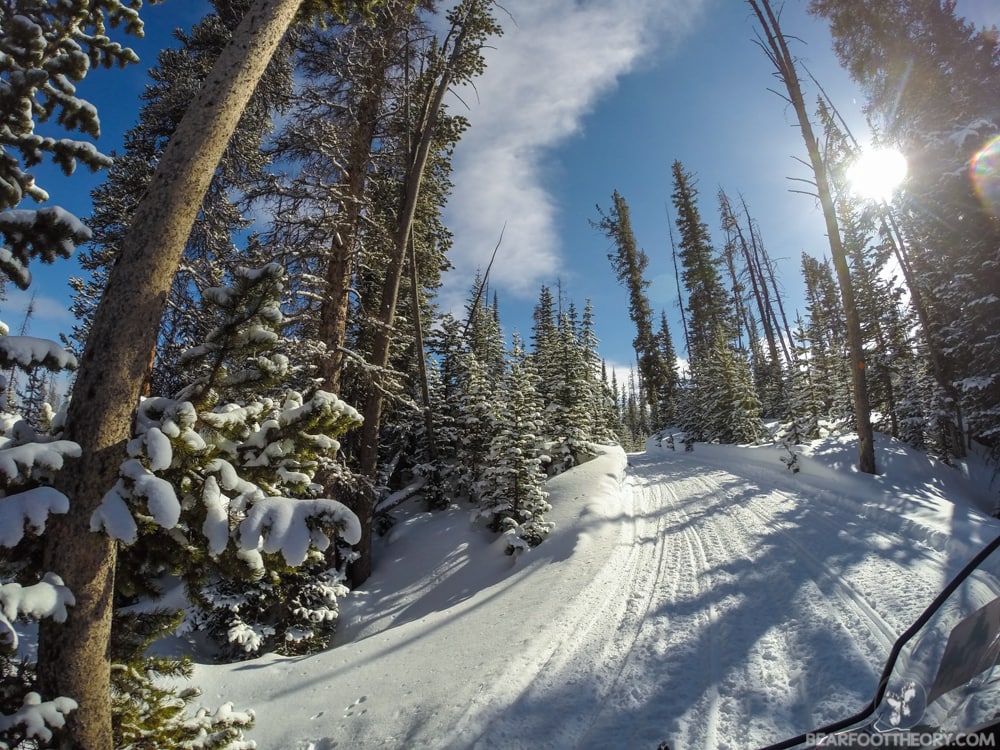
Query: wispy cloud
pixel 554 62
pixel 46 312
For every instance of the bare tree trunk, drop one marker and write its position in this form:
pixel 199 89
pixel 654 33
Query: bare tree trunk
pixel 777 51
pixel 418 346
pixel 765 272
pixel 333 312
pixel 382 343
pixel 677 280
pixel 757 284
pixel 73 656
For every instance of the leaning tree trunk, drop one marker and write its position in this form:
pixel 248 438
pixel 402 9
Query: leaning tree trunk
pixel 382 344
pixel 777 51
pixel 73 656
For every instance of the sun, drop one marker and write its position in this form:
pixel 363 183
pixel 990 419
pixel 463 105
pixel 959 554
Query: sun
pixel 876 173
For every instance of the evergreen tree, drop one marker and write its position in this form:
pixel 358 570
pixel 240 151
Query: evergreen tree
pixel 804 409
pixel 721 403
pixel 452 59
pixel 669 392
pixel 483 330
pixel 208 252
pixel 732 409
pixel 600 399
pixel 827 336
pixel 235 467
pixel 339 142
pixel 708 314
pixel 931 77
pixel 630 263
pixel 513 500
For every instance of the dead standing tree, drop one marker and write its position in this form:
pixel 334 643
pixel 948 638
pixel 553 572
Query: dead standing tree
pixel 775 45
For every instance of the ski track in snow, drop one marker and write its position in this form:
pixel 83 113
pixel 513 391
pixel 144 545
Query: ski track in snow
pixel 686 632
pixel 710 605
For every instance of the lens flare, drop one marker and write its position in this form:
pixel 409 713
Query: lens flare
pixel 876 173
pixel 984 170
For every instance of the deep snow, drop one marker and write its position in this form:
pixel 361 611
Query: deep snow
pixel 712 599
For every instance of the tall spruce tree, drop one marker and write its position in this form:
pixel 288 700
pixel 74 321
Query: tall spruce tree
pixel 709 317
pixel 512 498
pixel 630 264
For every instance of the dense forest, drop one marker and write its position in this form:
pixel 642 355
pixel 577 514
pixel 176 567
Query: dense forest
pixel 248 407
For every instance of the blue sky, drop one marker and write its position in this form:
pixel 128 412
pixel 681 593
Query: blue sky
pixel 661 81
pixel 580 98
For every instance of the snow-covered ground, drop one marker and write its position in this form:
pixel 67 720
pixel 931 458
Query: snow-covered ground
pixel 711 599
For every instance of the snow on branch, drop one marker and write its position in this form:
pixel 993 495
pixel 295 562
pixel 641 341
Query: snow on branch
pixel 31 507
pixel 21 463
pixel 135 483
pixel 36 716
pixel 291 526
pixel 28 352
pixel 47 233
pixel 47 598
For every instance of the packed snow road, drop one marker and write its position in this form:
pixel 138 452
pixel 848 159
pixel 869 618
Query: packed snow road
pixel 726 616
pixel 707 602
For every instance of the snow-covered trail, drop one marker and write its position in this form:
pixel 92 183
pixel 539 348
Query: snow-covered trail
pixel 710 603
pixel 726 616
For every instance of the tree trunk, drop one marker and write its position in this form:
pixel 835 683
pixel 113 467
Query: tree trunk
pixel 677 280
pixel 382 343
pixel 334 309
pixel 777 50
pixel 73 656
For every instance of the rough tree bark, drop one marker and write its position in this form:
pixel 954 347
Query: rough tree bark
pixel 73 656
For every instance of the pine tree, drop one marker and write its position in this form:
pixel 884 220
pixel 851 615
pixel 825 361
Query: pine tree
pixel 513 500
pixel 669 392
pixel 601 403
pixel 457 58
pixel 722 403
pixel 708 314
pixel 801 421
pixel 240 465
pixel 826 333
pixel 630 263
pixel 930 77
pixel 339 137
pixel 175 80
pixel 732 406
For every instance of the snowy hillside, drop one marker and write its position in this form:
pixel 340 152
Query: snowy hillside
pixel 711 599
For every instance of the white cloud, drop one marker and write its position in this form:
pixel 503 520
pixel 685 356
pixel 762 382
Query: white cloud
pixel 548 71
pixel 46 310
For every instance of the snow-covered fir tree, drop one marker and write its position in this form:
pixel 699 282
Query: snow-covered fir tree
pixel 512 498
pixel 221 485
pixel 801 421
